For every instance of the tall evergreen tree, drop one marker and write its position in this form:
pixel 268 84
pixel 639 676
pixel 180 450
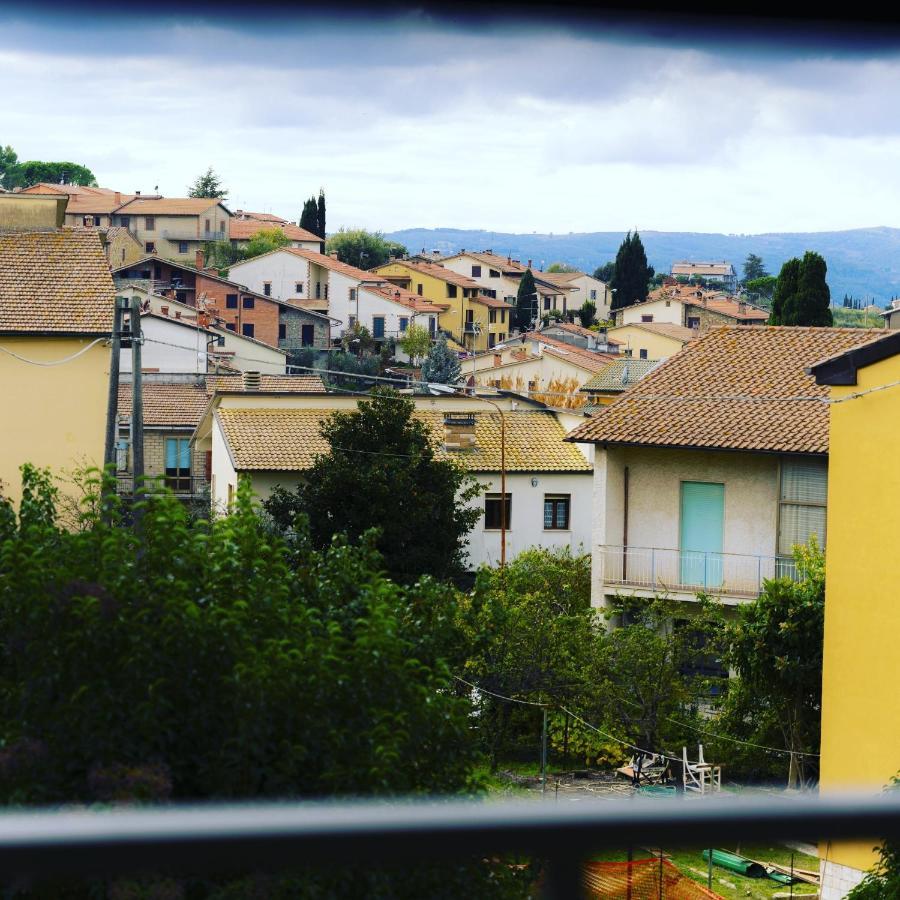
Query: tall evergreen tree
pixel 632 274
pixel 812 302
pixel 309 218
pixel 526 301
pixel 208 185
pixel 442 365
pixel 754 267
pixel 785 289
pixel 320 215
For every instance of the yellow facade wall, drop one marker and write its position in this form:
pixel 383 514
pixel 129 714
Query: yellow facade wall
pixel 24 211
pixel 860 710
pixel 658 346
pixel 452 319
pixel 52 416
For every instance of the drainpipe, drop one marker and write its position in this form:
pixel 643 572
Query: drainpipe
pixel 625 524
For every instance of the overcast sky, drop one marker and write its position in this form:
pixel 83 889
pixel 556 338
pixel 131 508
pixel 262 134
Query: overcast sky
pixel 417 123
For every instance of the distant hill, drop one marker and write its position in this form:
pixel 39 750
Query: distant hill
pixel 864 262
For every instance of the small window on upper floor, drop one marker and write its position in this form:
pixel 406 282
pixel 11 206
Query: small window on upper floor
pixel 267 289
pixel 282 331
pixel 593 295
pixel 250 302
pixel 493 273
pixel 182 246
pixel 149 247
pixel 298 287
pixel 231 326
pixel 647 317
pixel 247 329
pixel 231 301
pixel 476 271
pixel 419 289
pixel 149 223
pixel 643 354
pixel 451 290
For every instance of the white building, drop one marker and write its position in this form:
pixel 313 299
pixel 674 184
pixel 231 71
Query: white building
pixel 312 280
pixel 274 439
pixel 713 466
pixel 244 225
pixel 721 272
pixel 386 311
pixel 583 287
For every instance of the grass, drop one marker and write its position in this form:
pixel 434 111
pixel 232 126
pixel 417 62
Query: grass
pixel 729 884
pixel 855 318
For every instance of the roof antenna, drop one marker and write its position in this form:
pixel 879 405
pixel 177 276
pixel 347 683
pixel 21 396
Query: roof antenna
pixel 625 374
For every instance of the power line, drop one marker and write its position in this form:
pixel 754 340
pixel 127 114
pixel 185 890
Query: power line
pixel 55 362
pixel 482 690
pixel 618 740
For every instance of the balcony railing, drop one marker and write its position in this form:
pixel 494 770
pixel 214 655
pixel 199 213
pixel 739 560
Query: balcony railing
pixel 215 839
pixel 663 569
pixel 181 485
pixel 181 235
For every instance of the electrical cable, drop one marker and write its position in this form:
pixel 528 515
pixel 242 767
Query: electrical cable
pixel 482 690
pixel 55 362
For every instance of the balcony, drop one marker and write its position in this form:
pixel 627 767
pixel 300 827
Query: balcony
pixel 663 570
pixel 183 486
pixel 180 234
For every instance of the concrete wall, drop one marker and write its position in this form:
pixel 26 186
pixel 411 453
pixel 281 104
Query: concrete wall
pixel 654 499
pixel 189 354
pixel 665 310
pixel 282 270
pixel 52 416
pixel 293 319
pixel 657 346
pixel 860 711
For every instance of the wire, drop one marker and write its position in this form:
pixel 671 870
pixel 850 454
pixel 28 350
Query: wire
pixel 618 740
pixel 55 362
pixel 482 690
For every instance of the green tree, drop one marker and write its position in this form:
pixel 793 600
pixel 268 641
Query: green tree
pixel 784 291
pixel 561 267
pixel 526 302
pixel 381 472
pixel 754 268
pixel 761 289
pixel 320 215
pixel 530 633
pixel 309 218
pixel 363 249
pixel 442 365
pixel 632 273
pixel 606 272
pixel 23 174
pixel 776 647
pixel 8 161
pixel 264 241
pixel 415 342
pixel 588 313
pixel 883 882
pixel 208 185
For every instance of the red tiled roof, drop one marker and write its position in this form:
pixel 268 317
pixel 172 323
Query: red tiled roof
pixel 242 229
pixel 335 265
pixel 168 206
pixel 434 269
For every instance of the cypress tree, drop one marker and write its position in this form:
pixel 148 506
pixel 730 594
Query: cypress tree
pixel 320 215
pixel 812 301
pixel 632 274
pixel 785 290
pixel 309 218
pixel 526 301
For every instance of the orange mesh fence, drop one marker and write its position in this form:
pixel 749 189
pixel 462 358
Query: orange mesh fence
pixel 642 879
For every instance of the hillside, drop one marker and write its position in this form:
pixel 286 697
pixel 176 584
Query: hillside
pixel 864 262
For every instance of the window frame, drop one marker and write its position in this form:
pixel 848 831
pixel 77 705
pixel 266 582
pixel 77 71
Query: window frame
pixel 231 301
pixel 556 502
pixel 247 330
pixel 495 500
pixel 248 302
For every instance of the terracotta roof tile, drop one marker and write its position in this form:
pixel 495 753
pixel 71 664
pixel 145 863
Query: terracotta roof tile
pixel 335 265
pixel 243 229
pixel 667 329
pixel 408 298
pixel 55 281
pixel 290 440
pixel 276 384
pixel 434 269
pixel 735 388
pixel 591 360
pixel 168 206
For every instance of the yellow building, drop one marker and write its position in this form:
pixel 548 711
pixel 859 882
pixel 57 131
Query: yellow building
pixel 860 710
pixel 650 340
pixel 23 211
pixel 56 309
pixel 474 318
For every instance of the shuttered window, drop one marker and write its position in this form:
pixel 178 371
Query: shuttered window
pixel 804 490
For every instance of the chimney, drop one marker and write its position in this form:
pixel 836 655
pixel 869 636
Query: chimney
pixel 459 431
pixel 118 198
pixel 177 313
pixel 164 310
pixel 198 259
pixel 333 254
pixel 742 307
pixel 137 193
pixel 508 260
pixel 498 359
pixel 529 263
pixel 252 381
pixel 239 213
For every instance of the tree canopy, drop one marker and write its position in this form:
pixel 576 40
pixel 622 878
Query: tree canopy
pixel 320 215
pixel 208 185
pixel 15 174
pixel 754 268
pixel 801 295
pixel 415 341
pixel 561 267
pixel 265 240
pixel 630 281
pixel 605 272
pixel 441 365
pixel 587 315
pixel 309 218
pixel 381 472
pixel 526 302
pixel 363 249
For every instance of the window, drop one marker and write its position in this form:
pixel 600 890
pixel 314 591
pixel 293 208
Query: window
pixel 804 488
pixel 249 302
pixel 247 329
pixel 419 289
pixel 326 290
pixel 668 302
pixel 318 289
pixel 501 337
pixel 282 331
pixel 432 326
pixel 182 246
pixel 492 339
pixel 149 223
pixel 643 354
pixel 546 303
pixel 351 321
pixel 593 295
pixel 493 315
pixel 150 247
pixel 556 511
pixel 377 327
pixel 476 271
pixel 178 463
pixel 352 295
pixel 647 317
pixel 404 323
pixel 693 322
pixel 123 254
pixel 181 296
pixel 231 301
pixel 298 287
pixel 451 290
pixel 231 326
pixel 502 316
pixel 208 223
pixel 267 289
pixel 87 221
pixel 307 335
pixel 493 511
pixel 494 273
pixel 125 221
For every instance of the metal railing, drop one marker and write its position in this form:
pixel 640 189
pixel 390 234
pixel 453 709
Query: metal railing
pixel 657 568
pixel 181 485
pixel 219 839
pixel 179 235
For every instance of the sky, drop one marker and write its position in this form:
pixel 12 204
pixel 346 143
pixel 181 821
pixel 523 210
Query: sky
pixel 413 121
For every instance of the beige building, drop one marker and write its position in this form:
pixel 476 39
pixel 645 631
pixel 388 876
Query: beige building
pixel 650 340
pixel 88 207
pixel 174 227
pixel 583 288
pixel 242 226
pixel 691 307
pixel 21 212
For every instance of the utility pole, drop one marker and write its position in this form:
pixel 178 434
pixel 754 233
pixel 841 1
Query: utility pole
pixel 112 402
pixel 137 406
